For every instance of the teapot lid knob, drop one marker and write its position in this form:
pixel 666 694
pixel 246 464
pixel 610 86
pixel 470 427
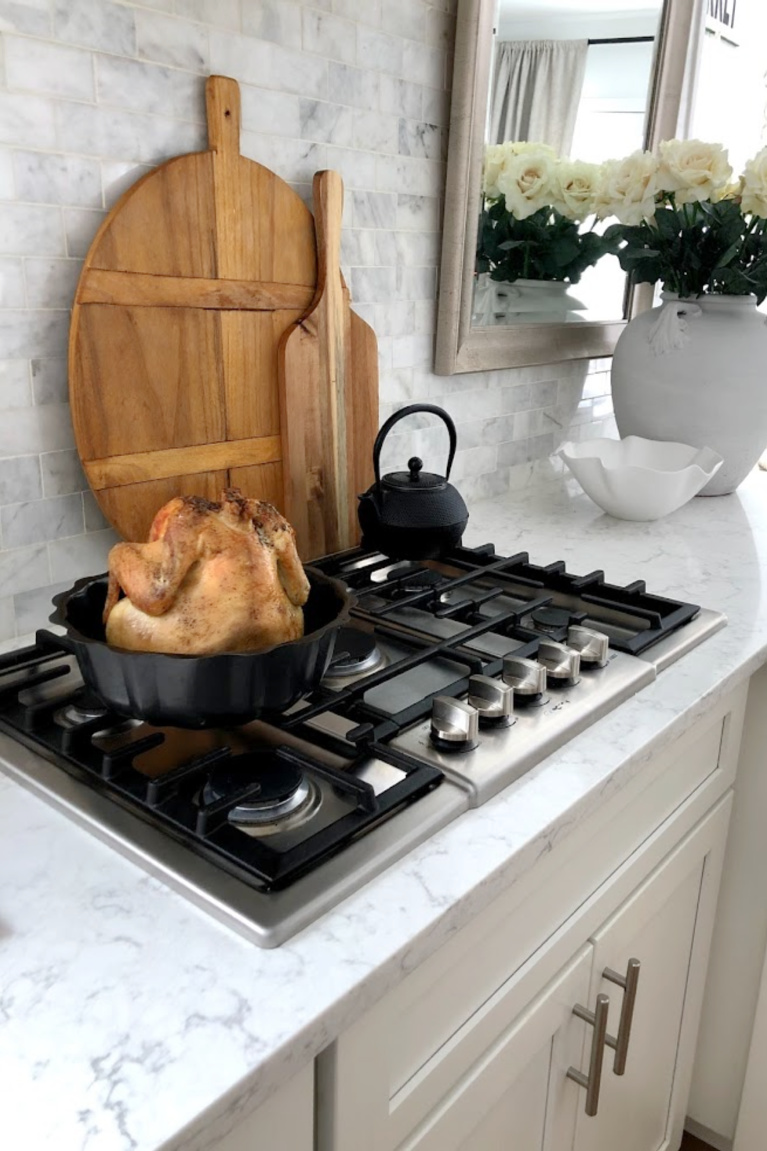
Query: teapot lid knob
pixel 414 465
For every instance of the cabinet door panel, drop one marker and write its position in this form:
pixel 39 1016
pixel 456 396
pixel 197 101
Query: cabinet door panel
pixel 658 925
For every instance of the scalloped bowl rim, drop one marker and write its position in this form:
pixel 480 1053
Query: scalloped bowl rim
pixel 588 451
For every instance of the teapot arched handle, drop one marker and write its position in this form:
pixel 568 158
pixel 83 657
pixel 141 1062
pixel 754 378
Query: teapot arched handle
pixel 410 410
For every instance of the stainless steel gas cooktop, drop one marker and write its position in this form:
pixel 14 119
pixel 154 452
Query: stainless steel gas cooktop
pixel 455 677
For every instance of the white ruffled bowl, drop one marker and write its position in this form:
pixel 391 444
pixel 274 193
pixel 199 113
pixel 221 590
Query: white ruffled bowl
pixel 638 479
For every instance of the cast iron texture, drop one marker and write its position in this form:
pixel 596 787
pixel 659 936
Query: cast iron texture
pixel 412 515
pixel 190 691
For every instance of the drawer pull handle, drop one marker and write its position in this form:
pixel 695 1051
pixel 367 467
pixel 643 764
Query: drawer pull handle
pixel 629 982
pixel 598 1020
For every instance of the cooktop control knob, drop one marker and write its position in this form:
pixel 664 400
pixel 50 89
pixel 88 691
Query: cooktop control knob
pixel 561 663
pixel 454 724
pixel 493 699
pixel 593 647
pixel 525 676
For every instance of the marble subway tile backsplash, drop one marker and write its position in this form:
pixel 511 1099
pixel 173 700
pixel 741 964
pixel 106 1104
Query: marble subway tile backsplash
pixel 96 92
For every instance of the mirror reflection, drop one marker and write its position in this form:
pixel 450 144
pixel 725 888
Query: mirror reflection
pixel 574 76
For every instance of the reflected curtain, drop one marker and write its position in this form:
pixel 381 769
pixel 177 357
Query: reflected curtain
pixel 536 91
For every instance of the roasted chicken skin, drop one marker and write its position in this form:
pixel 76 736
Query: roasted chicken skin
pixel 213 577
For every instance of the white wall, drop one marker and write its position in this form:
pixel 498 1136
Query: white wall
pixel 94 92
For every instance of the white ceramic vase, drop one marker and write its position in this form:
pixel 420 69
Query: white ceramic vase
pixel 523 302
pixel 695 371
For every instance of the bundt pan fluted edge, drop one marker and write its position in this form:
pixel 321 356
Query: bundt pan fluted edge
pixel 221 690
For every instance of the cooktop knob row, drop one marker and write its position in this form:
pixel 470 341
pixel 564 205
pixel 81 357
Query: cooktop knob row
pixel 525 676
pixel 594 647
pixel 454 724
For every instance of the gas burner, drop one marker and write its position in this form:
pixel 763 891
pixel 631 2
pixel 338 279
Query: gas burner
pixel 84 707
pixel 423 580
pixel 355 652
pixel 285 797
pixel 552 619
pixel 393 571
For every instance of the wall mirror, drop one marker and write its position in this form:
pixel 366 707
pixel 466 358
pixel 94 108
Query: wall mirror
pixel 593 79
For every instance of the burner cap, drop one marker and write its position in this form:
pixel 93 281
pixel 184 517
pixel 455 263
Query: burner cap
pixel 423 580
pixel 283 788
pixel 84 707
pixel 551 618
pixel 355 652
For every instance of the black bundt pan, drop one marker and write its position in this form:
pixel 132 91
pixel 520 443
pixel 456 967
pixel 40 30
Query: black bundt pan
pixel 189 691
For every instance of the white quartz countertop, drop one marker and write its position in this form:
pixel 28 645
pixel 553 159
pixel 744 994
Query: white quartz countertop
pixel 132 1021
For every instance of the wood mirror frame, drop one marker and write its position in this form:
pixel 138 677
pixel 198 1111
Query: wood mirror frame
pixel 461 347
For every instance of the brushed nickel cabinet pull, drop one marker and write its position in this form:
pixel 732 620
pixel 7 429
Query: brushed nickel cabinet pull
pixel 629 982
pixel 591 1082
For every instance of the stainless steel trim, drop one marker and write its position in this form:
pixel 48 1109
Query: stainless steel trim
pixel 678 643
pixel 593 1081
pixel 629 982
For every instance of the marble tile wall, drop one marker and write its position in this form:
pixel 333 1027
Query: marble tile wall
pixel 95 92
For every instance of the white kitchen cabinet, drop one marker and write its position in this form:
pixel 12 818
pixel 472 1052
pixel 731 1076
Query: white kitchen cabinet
pixel 285 1121
pixel 470 1052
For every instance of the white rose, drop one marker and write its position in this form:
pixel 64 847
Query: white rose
pixel 628 188
pixel 755 186
pixel 498 155
pixel 575 187
pixel 693 170
pixel 526 182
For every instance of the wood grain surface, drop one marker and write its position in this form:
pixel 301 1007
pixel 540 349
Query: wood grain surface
pixel 188 288
pixel 328 375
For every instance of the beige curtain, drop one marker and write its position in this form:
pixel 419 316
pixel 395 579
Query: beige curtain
pixel 536 91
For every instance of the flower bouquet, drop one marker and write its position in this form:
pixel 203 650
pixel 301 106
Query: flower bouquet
pixel 534 205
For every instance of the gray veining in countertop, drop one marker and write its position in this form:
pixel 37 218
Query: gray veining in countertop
pixel 132 1021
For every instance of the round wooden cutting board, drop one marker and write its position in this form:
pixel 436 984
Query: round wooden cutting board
pixel 187 290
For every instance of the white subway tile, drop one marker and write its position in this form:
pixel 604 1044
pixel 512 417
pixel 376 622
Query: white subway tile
pixel 395 318
pixel 30 229
pixel 440 28
pixel 408 175
pixel 49 382
pixel 27 120
pixel 367 13
pixel 7 181
pixel 354 86
pixel 111 133
pixel 420 212
pixel 374 209
pixel 293 160
pixel 270 113
pixel 86 555
pixel 436 106
pixel 379 51
pixel 48 69
pixel 217 13
pixel 23 569
pixel 95 23
pixel 275 20
pixel 326 122
pixel 412 350
pixel 357 168
pixel 376 132
pixel 27 431
pixel 524 451
pixel 358 248
pixel 62 473
pixel 20 479
pixel 36 521
pixel 95 519
pixel 168 40
pixel 33 608
pixel 33 17
pixel 117 176
pixel 14 384
pixel 11 283
pixel 51 283
pixel 416 283
pixel 372 285
pixel 48 178
pixel 474 461
pixel 260 63
pixel 404 18
pixel 141 87
pixel 416 248
pixel 401 97
pixel 419 139
pixel 27 333
pixel 425 65
pixel 329 36
pixel 7 618
pixel 80 226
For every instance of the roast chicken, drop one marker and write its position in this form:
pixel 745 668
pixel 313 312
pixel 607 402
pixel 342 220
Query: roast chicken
pixel 213 577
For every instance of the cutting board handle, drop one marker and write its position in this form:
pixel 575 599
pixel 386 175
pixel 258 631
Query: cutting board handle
pixel 222 103
pixel 328 199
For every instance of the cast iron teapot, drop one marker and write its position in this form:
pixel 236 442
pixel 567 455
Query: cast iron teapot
pixel 412 515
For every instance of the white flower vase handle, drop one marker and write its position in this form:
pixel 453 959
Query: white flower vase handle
pixel 669 332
